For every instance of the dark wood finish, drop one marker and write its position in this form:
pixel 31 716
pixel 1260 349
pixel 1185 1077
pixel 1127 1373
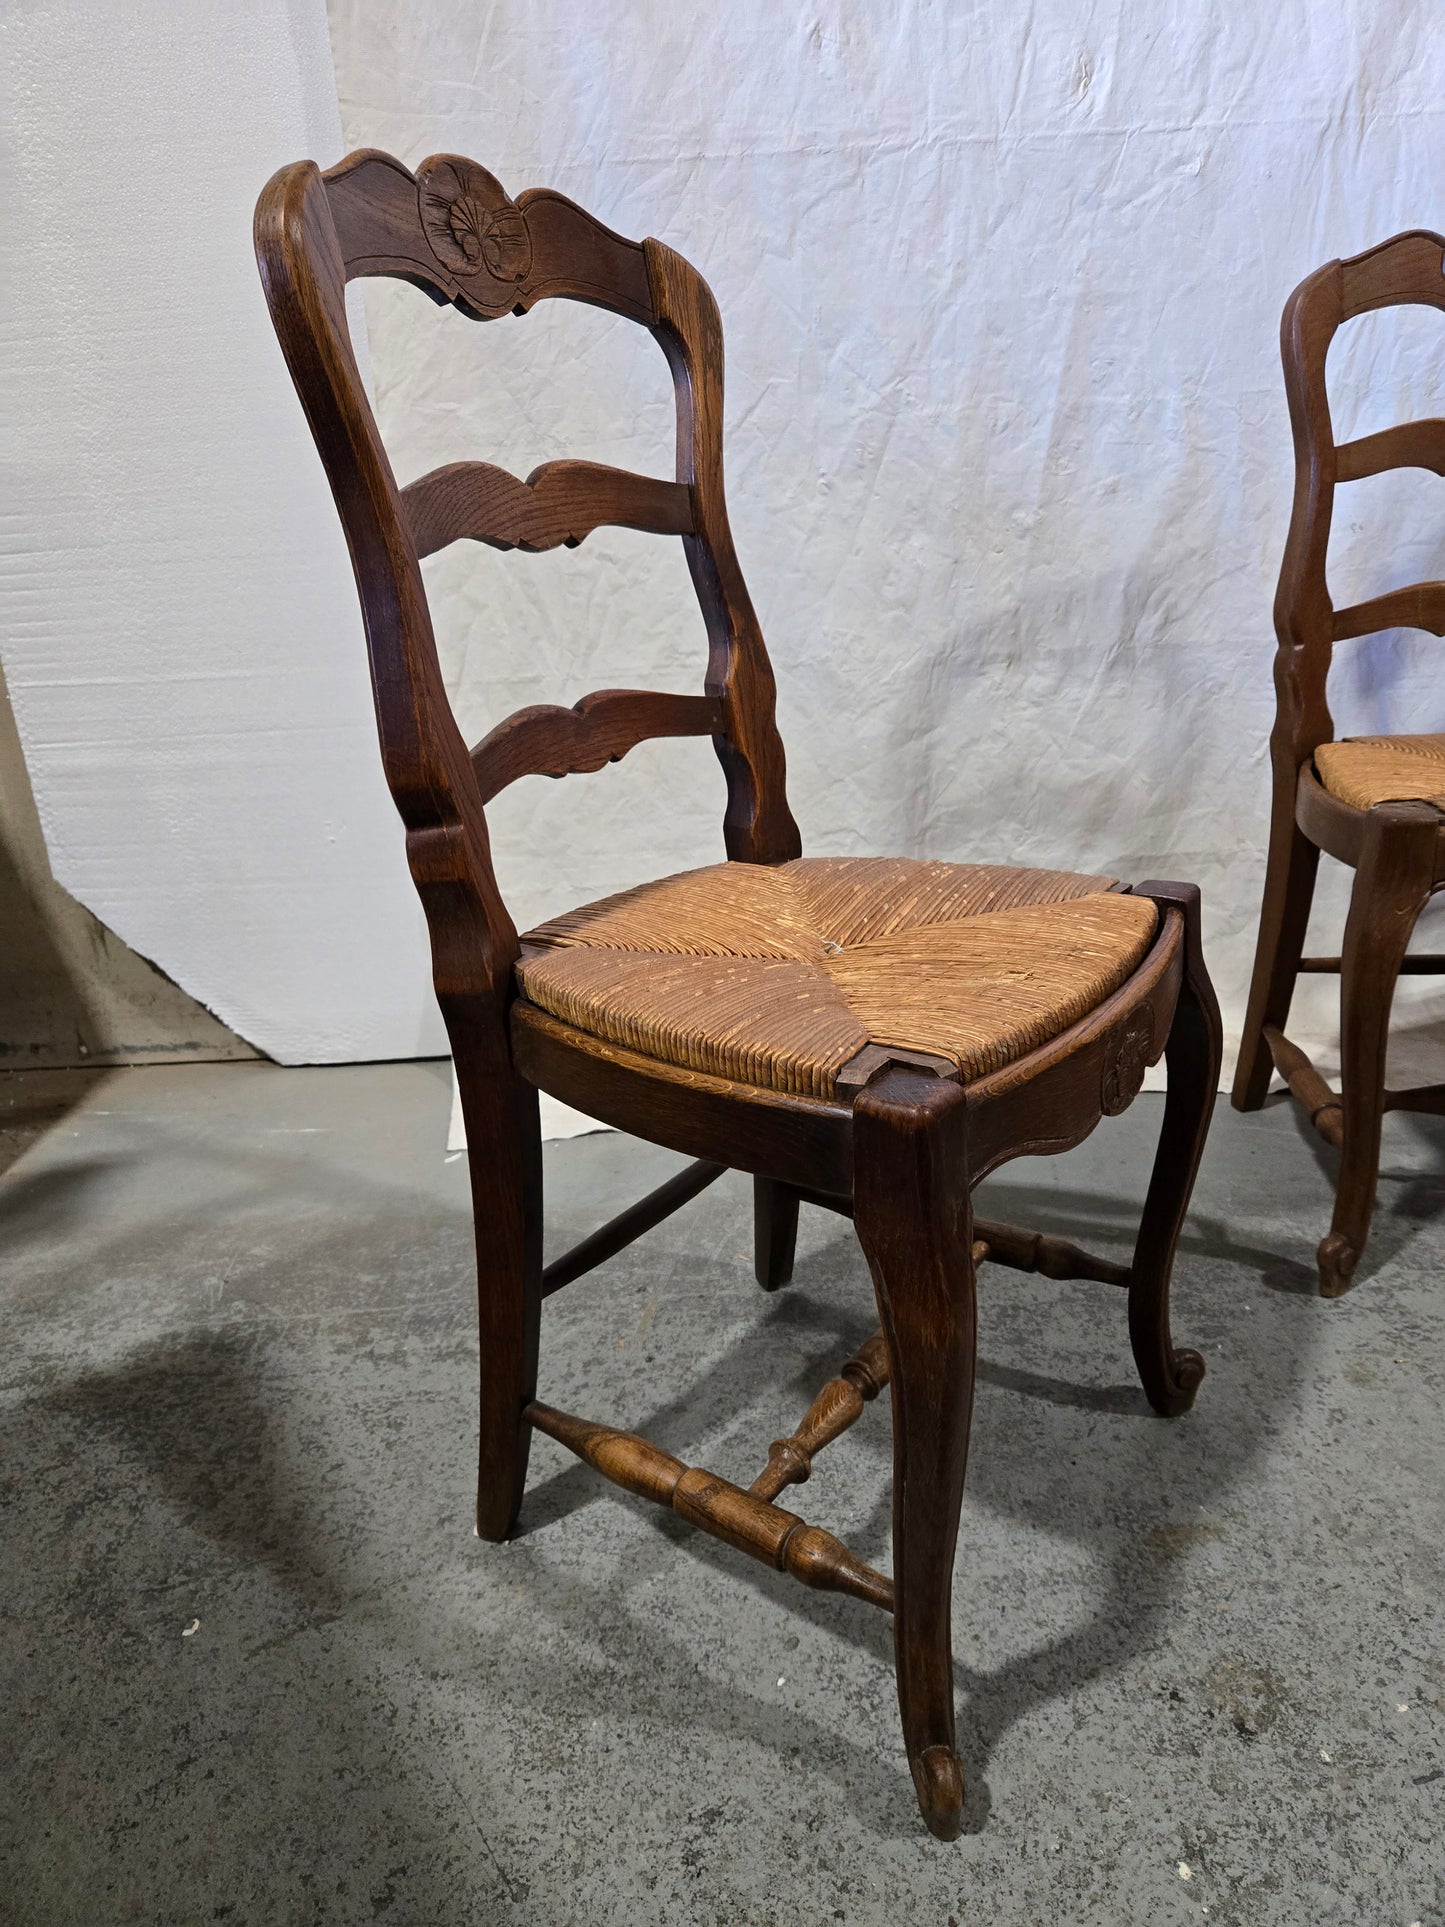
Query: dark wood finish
pixel 1051 1099
pixel 1420 606
pixel 870 1062
pixel 499 1108
pixel 758 826
pixel 629 1225
pixel 1422 964
pixel 754 1526
pixel 1427 1098
pixel 1408 445
pixel 1396 871
pixel 839 1405
pixel 913 1213
pixel 826 1200
pixel 903 1141
pixel 547 740
pixel 1324 1107
pixel 1396 850
pixel 797 1140
pixel 452 230
pixel 775 1232
pixel 1192 1056
pixel 1320 1104
pixel 559 505
pixel 1326 823
pixel 1005 1244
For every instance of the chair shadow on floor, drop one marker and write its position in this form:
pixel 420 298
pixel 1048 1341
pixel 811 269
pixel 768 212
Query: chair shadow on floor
pixel 187 1424
pixel 1408 1202
pixel 227 1773
pixel 189 1418
pixel 1205 1457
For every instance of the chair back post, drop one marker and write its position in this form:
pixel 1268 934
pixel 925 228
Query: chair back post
pixel 474 942
pixel 758 826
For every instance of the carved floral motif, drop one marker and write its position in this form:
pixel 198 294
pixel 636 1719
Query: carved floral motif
pixel 1124 1064
pixel 471 223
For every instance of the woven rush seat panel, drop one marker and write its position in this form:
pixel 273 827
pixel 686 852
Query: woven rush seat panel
pixel 1365 770
pixel 778 976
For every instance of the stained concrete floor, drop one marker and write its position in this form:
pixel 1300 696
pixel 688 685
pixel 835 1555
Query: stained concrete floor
pixel 1199 1664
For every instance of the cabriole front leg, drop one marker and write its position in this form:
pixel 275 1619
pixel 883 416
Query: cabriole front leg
pixel 914 1222
pixel 1192 1059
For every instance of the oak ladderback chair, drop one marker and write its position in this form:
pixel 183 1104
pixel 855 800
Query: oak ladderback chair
pixel 1375 802
pixel 870 1034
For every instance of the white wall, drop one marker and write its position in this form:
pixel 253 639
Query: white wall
pixel 179 627
pixel 1009 462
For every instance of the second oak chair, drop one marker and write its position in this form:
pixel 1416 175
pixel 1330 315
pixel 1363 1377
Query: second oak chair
pixel 1374 802
pixel 871 1034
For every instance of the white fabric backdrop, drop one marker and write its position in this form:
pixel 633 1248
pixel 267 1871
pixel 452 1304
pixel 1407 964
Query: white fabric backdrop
pixel 177 619
pixel 1009 462
pixel 1008 453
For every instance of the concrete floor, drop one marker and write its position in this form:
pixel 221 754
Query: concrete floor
pixel 1200 1667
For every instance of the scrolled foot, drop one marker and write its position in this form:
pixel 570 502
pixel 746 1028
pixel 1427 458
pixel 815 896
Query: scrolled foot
pixel 1175 1395
pixel 1337 1259
pixel 938 1778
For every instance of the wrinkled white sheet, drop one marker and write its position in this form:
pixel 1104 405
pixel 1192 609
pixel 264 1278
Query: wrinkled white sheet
pixel 1009 463
pixel 177 618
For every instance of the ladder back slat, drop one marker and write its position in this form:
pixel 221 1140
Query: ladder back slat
pixel 559 504
pixel 1420 606
pixel 453 229
pixel 547 740
pixel 1408 445
pixel 1407 268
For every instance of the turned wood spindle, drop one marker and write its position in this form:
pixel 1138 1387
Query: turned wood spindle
pixel 778 1538
pixel 839 1405
pixel 1016 1250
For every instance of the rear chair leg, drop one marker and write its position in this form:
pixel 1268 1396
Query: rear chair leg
pixel 504 1155
pixel 1192 1057
pixel 914 1222
pixel 775 1232
pixel 1289 888
pixel 1393 881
